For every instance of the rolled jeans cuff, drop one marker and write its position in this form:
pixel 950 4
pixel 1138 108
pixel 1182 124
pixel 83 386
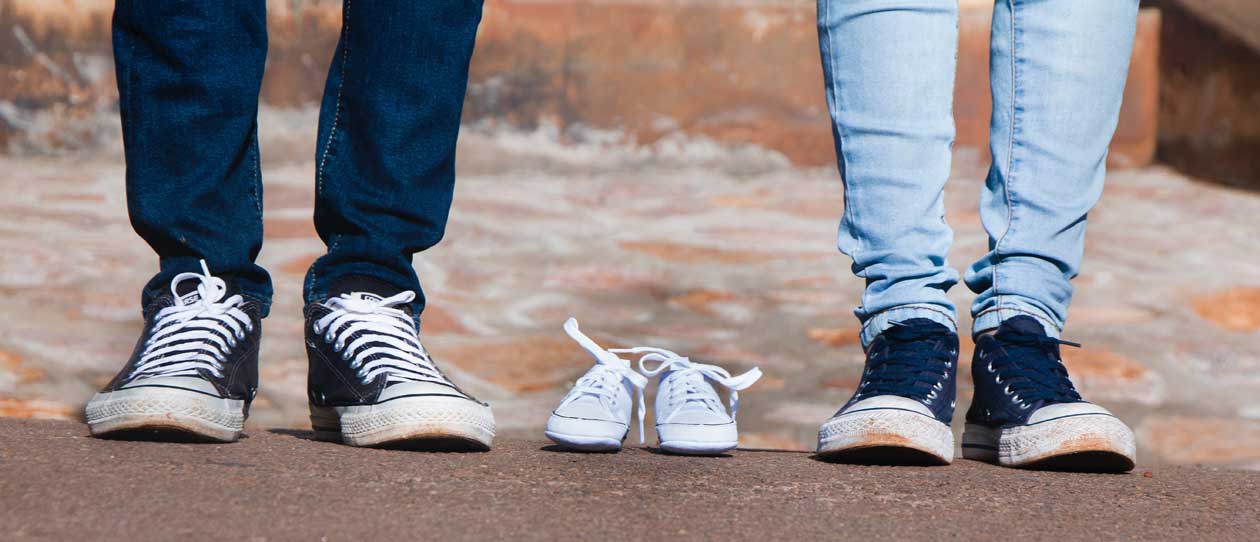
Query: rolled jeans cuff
pixel 990 319
pixel 879 322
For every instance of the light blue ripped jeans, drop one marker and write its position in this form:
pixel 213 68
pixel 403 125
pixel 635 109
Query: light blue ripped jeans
pixel 1057 73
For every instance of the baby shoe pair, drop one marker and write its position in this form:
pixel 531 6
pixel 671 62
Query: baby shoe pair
pixel 690 417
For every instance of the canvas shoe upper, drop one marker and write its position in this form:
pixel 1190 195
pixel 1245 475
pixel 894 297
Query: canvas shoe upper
pixel 372 382
pixel 595 414
pixel 690 416
pixel 1026 411
pixel 905 401
pixel 193 370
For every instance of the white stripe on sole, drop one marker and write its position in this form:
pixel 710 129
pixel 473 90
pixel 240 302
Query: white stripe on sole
pixel 584 443
pixel 879 428
pixel 1029 445
pixel 684 447
pixel 407 419
pixel 166 408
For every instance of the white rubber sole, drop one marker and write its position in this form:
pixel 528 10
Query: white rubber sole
pixel 166 409
pixel 684 447
pixel 407 419
pixel 1095 442
pixel 584 443
pixel 585 434
pixel 886 428
pixel 688 439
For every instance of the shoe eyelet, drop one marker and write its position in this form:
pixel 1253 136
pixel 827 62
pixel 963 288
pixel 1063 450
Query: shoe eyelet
pixel 1007 390
pixel 997 380
pixel 990 367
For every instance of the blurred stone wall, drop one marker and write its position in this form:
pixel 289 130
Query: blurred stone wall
pixel 1210 111
pixel 732 71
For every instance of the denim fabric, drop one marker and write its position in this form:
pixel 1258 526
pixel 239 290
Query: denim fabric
pixel 1057 70
pixel 188 80
pixel 189 74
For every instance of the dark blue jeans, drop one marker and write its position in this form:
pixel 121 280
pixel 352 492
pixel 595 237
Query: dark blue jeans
pixel 189 74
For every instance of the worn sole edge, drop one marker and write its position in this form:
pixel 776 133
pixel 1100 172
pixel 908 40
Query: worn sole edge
pixel 584 443
pixel 1103 436
pixel 885 428
pixel 165 409
pixel 405 420
pixel 686 447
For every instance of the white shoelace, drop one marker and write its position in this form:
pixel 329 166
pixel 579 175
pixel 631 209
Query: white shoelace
pixel 604 379
pixel 692 387
pixel 198 335
pixel 383 339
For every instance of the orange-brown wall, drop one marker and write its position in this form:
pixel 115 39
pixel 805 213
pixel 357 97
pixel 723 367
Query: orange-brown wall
pixel 743 72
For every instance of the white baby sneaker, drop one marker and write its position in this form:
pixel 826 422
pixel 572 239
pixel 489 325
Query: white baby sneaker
pixel 690 416
pixel 595 415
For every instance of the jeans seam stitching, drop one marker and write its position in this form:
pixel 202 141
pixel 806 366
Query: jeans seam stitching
pixel 1008 179
pixel 850 214
pixel 332 130
pixel 131 93
pixel 341 83
pixel 257 188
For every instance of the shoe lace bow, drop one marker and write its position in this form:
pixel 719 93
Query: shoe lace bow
pixel 604 379
pixel 196 335
pixel 690 385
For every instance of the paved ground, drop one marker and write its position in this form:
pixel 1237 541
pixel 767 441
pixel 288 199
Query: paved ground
pixel 724 253
pixel 58 484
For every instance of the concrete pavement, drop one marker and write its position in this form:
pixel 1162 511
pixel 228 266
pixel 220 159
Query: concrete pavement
pixel 56 483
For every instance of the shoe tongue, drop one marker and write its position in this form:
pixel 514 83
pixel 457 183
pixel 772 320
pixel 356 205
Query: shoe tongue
pixel 362 285
pixel 1021 325
pixel 699 400
pixel 587 401
pixel 922 322
pixel 364 296
pixel 188 294
pixel 696 404
pixel 916 329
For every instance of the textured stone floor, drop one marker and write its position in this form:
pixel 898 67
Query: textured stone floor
pixel 58 484
pixel 723 253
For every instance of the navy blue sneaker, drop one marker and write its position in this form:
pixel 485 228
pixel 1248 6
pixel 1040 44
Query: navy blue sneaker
pixel 1027 413
pixel 901 411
